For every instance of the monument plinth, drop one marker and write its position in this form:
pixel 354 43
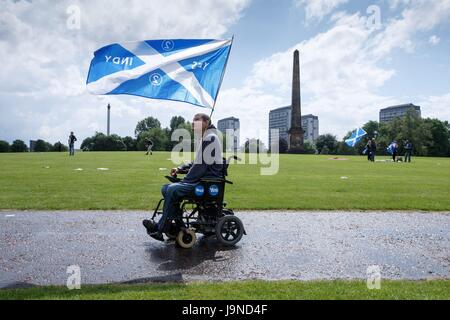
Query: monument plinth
pixel 296 132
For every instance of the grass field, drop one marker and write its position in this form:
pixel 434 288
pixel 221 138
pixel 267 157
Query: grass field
pixel 49 181
pixel 256 290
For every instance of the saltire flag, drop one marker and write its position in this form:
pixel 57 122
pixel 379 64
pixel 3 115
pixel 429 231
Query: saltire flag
pixel 356 136
pixel 187 70
pixel 391 148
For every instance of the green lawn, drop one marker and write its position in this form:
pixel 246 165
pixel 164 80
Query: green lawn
pixel 264 290
pixel 49 181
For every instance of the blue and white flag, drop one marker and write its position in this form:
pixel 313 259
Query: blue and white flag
pixel 392 147
pixel 356 136
pixel 182 70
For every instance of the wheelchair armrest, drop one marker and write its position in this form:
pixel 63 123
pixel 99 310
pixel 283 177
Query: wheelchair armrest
pixel 173 179
pixel 217 180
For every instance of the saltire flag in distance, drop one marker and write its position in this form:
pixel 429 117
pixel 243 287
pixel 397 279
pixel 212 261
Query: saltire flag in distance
pixel 187 70
pixel 356 136
pixel 391 148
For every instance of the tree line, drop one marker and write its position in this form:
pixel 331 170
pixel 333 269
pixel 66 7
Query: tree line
pixel 430 137
pixel 148 128
pixel 40 146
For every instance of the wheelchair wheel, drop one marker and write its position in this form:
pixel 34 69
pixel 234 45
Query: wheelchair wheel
pixel 186 239
pixel 229 230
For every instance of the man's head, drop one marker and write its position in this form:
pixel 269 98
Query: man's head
pixel 201 122
pixel 71 132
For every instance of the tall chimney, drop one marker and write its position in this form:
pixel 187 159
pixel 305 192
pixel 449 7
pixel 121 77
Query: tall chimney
pixel 108 120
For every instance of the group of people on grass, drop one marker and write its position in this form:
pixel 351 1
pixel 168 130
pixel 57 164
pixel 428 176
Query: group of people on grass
pixel 393 149
pixel 148 145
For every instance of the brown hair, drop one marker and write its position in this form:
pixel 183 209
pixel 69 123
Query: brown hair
pixel 204 117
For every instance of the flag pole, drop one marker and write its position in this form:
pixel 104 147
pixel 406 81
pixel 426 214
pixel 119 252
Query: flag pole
pixel 221 78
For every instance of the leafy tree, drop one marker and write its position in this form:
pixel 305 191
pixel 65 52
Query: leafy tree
pixel 130 143
pixel 176 122
pixel 430 137
pixel 59 147
pixel 329 141
pixel 42 146
pixel 325 150
pixel 344 149
pixel 181 125
pixel 411 127
pixel 102 142
pixel 310 147
pixel 372 128
pixel 109 143
pixel 4 146
pixel 157 135
pixel 18 146
pixel 146 124
pixel 438 142
pixel 88 143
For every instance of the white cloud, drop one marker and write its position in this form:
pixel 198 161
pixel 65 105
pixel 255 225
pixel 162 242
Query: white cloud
pixel 420 16
pixel 342 71
pixel 434 40
pixel 43 92
pixel 436 107
pixel 318 9
pixel 338 78
pixel 394 4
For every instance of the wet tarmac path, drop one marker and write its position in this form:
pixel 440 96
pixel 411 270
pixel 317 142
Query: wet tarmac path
pixel 112 246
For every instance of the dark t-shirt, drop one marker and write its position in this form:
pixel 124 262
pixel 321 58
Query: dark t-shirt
pixel 72 139
pixel 409 147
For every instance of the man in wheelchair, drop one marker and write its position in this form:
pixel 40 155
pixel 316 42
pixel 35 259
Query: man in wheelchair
pixel 208 163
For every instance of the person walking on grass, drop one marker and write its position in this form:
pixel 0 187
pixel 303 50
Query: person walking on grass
pixel 72 140
pixel 368 150
pixel 373 150
pixel 394 150
pixel 149 144
pixel 408 151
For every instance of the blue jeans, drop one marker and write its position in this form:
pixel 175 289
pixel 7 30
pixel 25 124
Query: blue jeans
pixel 71 149
pixel 173 193
pixel 408 156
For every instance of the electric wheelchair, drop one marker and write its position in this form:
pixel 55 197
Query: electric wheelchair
pixel 203 212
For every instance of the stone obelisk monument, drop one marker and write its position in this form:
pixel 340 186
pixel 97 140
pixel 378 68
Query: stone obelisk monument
pixel 296 133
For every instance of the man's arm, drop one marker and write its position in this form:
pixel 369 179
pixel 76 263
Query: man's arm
pixel 185 167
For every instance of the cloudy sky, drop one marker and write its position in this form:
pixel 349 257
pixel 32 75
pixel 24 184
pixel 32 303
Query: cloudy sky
pixel 356 57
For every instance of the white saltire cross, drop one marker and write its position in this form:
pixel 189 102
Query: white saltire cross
pixel 168 64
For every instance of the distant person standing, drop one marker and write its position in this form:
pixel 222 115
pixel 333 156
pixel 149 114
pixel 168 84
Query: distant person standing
pixel 373 150
pixel 72 140
pixel 394 149
pixel 368 150
pixel 149 145
pixel 408 151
